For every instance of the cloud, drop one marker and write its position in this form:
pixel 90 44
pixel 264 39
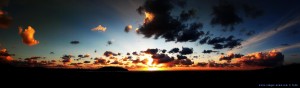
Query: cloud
pixel 160 24
pixel 28 36
pixel 179 57
pixel 74 42
pixel 204 40
pixel 109 42
pixel 87 62
pixel 128 28
pixel 52 53
pixel 100 61
pixel 186 15
pixel 229 57
pixel 252 11
pixel 5 19
pixel 163 51
pixel 209 51
pixel 67 59
pixel 174 50
pixel 223 42
pixel 99 28
pixel 186 62
pixel 151 51
pixel 162 58
pixel 5 56
pixel 202 64
pixel 109 53
pixel 135 53
pixel 264 35
pixel 288 46
pixel 225 14
pixel 186 51
pixel 269 59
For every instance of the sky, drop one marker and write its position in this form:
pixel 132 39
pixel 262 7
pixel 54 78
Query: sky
pixel 74 27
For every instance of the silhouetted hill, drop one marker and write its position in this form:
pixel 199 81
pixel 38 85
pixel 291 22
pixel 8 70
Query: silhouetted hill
pixel 112 69
pixel 283 74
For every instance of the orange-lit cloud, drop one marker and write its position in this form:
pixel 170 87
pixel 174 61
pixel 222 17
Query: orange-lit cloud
pixel 4 56
pixel 271 58
pixel 28 36
pixel 99 28
pixel 148 17
pixel 128 28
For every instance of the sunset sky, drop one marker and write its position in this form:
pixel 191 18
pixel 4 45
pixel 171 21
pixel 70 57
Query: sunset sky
pixel 84 26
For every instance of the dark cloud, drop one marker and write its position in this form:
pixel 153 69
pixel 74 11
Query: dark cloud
pixel 272 58
pixel 229 57
pixel 223 42
pixel 135 53
pixel 204 40
pixel 192 34
pixel 100 61
pixel 5 20
pixel 87 62
pixel 163 25
pixel 186 15
pixel 252 11
pixel 174 50
pixel 162 58
pixel 74 42
pixel 33 58
pixel 186 62
pixel 164 51
pixel 179 57
pixel 202 64
pixel 51 52
pixel 225 14
pixel 186 51
pixel 67 56
pixel 209 51
pixel 109 42
pixel 109 53
pixel 151 51
pixel 80 56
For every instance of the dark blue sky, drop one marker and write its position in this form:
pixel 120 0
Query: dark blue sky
pixel 58 22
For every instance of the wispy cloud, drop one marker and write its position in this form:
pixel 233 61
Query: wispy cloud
pixel 283 48
pixel 267 34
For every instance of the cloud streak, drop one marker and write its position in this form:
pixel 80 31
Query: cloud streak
pixel 265 35
pixel 283 48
